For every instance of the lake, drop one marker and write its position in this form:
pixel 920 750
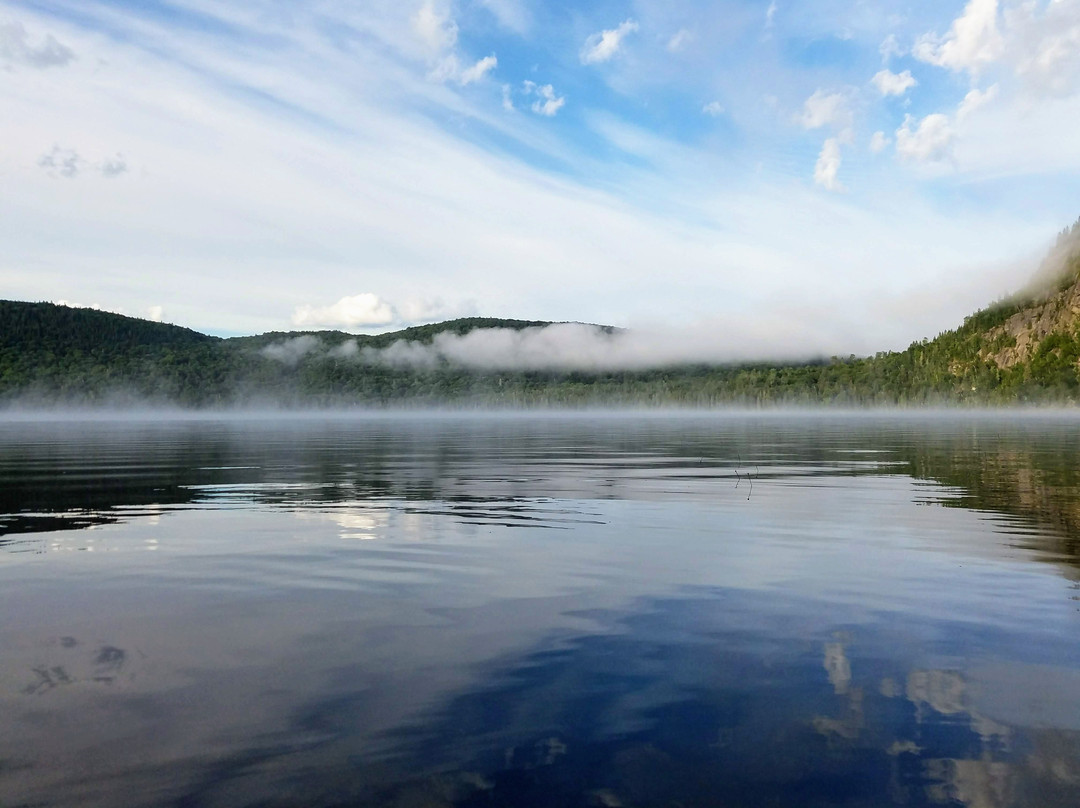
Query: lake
pixel 664 609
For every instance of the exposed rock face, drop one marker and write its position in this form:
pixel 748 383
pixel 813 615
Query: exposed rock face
pixel 1050 306
pixel 1027 329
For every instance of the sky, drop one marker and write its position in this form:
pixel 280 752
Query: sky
pixel 839 176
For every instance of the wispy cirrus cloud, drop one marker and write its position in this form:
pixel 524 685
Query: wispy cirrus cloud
pixel 278 155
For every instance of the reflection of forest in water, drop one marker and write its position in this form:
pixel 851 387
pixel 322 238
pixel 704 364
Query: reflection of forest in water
pixel 74 477
pixel 1026 474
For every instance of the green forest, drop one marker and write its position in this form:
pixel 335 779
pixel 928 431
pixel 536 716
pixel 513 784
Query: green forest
pixel 54 355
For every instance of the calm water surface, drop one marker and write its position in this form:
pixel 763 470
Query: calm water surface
pixel 663 610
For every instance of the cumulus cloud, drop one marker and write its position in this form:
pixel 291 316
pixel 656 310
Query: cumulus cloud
pixel 16 47
pixel 713 108
pixel 825 109
pixel 879 142
pixel 679 40
pixel 546 102
pixel 1040 42
pixel 357 311
pixel 928 142
pixel 434 26
pixel 95 306
pixel 973 42
pixel 62 162
pixel 1046 47
pixel 932 139
pixel 889 83
pixel 975 99
pixel 155 313
pixel 828 166
pixel 600 47
pixel 369 310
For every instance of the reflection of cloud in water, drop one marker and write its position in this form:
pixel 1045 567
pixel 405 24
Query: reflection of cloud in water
pixel 413 521
pixel 972 783
pixel 354 520
pixel 838 667
pixel 946 693
pixel 989 778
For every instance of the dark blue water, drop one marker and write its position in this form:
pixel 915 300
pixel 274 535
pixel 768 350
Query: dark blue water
pixel 539 610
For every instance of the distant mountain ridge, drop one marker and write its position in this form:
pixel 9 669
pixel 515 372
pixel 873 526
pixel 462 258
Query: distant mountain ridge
pixel 1025 348
pixel 55 327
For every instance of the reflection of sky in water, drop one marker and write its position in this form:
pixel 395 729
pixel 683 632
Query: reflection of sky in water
pixel 585 613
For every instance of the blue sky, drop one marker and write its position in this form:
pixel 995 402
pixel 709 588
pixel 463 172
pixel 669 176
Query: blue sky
pixel 838 175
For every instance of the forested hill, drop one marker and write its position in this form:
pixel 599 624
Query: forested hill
pixel 51 328
pixel 423 334
pixel 1026 346
pixel 1022 349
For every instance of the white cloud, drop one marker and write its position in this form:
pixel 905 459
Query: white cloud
pixel 770 14
pixel 155 313
pixel 1040 42
pixel 16 48
pixel 547 103
pixel 507 98
pixel 975 99
pixel 828 166
pixel 357 311
pixel 929 142
pixel 973 42
pixel 434 26
pixel 889 48
pixel 368 310
pixel 478 70
pixel 604 45
pixel 889 83
pixel 94 306
pixel 825 109
pixel 879 142
pixel 713 108
pixel 1046 48
pixel 679 40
